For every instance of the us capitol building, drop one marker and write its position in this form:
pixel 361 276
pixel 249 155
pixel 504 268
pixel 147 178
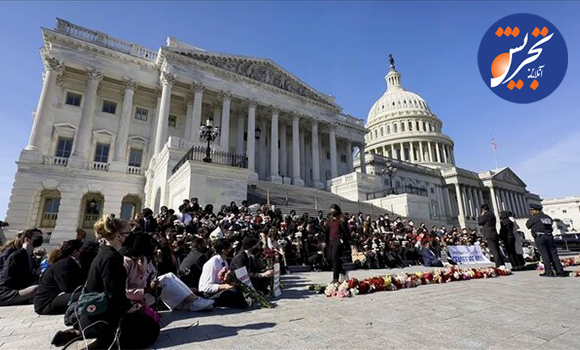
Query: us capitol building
pixel 117 126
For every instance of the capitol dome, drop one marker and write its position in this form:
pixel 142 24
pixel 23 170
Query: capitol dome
pixel 401 126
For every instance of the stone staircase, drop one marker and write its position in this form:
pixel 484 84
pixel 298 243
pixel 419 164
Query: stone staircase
pixel 306 199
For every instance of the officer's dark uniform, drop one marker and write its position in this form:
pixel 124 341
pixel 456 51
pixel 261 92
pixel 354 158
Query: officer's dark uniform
pixel 541 227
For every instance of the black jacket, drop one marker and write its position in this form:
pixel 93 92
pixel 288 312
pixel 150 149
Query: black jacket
pixel 191 268
pixel 487 222
pixel 540 223
pixel 108 274
pixel 242 259
pixel 148 224
pixel 16 274
pixel 64 276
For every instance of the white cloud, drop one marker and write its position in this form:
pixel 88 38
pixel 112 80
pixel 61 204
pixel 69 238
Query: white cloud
pixel 553 172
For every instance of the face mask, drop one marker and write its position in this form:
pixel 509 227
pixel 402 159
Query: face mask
pixel 37 242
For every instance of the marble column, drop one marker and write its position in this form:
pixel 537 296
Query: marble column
pixel 444 150
pixel 217 120
pixel 302 154
pixel 476 203
pixel 349 163
pixel 41 125
pixel 196 115
pixel 412 151
pixel 296 180
pixel 513 206
pixel 480 196
pixel 263 150
pixel 521 205
pixel 283 150
pixel 438 152
pixel 240 136
pixel 225 126
pixel 430 152
pixel 251 140
pixel 80 154
pixel 458 193
pixel 274 161
pixel 167 80
pixel 124 123
pixel 362 157
pixel 468 200
pixel 494 200
pixel 153 124
pixel 316 155
pixel 422 155
pixel 333 152
pixel 188 132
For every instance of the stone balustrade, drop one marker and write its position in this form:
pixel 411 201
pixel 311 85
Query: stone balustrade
pixel 105 40
pixel 53 160
pixel 135 170
pixel 99 166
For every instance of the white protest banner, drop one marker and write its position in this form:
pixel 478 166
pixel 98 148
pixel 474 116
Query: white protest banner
pixel 277 291
pixel 467 254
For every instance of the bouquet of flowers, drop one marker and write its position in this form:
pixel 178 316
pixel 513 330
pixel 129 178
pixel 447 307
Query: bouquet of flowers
pixel 251 295
pixel 401 280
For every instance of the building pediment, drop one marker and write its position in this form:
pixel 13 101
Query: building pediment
pixel 261 70
pixel 507 175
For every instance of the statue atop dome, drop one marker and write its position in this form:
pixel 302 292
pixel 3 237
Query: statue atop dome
pixel 392 61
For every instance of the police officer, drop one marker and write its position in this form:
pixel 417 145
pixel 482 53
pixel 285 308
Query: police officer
pixel 541 226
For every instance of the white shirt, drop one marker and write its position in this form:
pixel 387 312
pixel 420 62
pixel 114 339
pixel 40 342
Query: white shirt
pixel 209 281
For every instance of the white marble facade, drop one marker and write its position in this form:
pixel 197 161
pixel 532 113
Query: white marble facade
pixel 113 118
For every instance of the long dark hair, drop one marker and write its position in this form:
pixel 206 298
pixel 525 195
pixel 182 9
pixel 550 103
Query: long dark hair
pixel 65 250
pixel 335 211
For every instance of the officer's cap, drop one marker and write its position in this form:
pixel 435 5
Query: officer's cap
pixel 535 206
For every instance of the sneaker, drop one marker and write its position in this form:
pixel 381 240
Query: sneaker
pixel 201 304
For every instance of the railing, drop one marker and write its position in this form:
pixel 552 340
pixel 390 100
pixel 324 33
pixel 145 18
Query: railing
pixel 99 166
pixel 134 170
pixel 399 190
pixel 53 160
pixel 89 220
pixel 198 153
pixel 49 220
pixel 105 40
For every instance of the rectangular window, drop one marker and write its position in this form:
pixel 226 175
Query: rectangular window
pixel 64 147
pixel 135 156
pixel 141 114
pixel 327 154
pixel 109 107
pixel 564 211
pixel 51 205
pixel 172 121
pixel 73 99
pixel 343 158
pixel 102 153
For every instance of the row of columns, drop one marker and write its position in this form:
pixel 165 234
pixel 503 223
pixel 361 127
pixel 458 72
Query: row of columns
pixel 513 201
pixel 193 120
pixel 428 152
pixel 469 200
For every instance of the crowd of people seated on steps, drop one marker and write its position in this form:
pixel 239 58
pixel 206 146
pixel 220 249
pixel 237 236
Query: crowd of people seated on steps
pixel 174 260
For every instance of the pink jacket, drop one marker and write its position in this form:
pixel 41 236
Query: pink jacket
pixel 136 278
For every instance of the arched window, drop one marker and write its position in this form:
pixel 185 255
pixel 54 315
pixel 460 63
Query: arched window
pixel 382 131
pixel 410 126
pixel 92 209
pixel 376 134
pixel 49 207
pixel 388 129
pixel 402 127
pixel 130 205
pixel 395 128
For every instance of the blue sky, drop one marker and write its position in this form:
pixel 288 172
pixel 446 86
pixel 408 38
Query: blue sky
pixel 340 48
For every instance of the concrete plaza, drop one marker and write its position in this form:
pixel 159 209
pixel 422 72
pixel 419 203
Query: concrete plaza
pixel 521 311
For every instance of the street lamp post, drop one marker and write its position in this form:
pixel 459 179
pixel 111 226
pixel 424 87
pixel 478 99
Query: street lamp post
pixel 389 170
pixel 209 133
